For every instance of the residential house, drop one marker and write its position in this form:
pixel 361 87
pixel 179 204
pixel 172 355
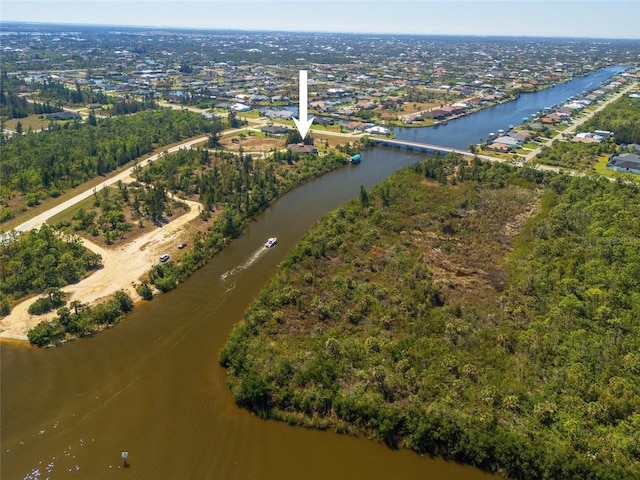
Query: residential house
pixel 519 136
pixel 65 115
pixel 377 129
pixel 624 162
pixel 302 148
pixel 278 114
pixel 507 140
pixel 587 137
pixel 275 130
pixel 499 147
pixel 552 119
pixel 355 126
pixel 240 107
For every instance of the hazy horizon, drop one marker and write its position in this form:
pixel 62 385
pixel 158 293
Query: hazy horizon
pixel 597 19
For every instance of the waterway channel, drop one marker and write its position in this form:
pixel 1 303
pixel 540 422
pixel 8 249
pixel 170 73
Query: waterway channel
pixel 152 385
pixel 475 128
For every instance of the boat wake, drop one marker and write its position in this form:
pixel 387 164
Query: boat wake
pixel 252 259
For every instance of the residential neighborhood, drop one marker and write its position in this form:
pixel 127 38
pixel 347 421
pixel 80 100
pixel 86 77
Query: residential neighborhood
pixel 369 85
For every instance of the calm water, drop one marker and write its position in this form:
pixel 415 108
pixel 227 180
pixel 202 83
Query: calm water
pixel 152 386
pixel 474 128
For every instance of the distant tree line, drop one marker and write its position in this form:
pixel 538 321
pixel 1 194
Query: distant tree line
pixel 13 105
pixel 61 93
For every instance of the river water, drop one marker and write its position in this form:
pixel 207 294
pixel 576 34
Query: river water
pixel 475 128
pixel 152 386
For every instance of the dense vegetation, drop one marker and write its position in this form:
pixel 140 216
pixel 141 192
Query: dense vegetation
pixel 43 164
pixel 435 316
pixel 621 117
pixel 234 188
pixel 115 211
pixel 39 262
pixel 574 155
pixel 80 319
pixel 58 92
pixel 13 105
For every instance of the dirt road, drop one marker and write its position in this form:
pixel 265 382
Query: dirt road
pixel 37 221
pixel 122 266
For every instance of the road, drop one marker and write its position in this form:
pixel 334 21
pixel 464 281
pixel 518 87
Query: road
pixel 126 264
pixel 38 220
pixel 579 122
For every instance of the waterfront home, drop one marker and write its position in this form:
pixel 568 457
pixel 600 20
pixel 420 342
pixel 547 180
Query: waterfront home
pixel 240 107
pixel 520 136
pixel 507 140
pixel 378 130
pixel 355 126
pixel 436 113
pixel 624 162
pixel 498 147
pixel 302 148
pixel 552 119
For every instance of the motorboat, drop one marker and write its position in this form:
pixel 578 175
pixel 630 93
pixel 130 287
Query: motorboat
pixel 271 242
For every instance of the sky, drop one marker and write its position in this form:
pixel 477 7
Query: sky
pixel 522 18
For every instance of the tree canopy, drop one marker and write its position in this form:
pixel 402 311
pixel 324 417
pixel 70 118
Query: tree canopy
pixel 478 312
pixel 38 165
pixel 37 261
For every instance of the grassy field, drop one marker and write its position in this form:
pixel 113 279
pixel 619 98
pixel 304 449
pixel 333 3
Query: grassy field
pixel 35 122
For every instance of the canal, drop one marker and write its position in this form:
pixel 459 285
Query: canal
pixel 475 128
pixel 152 385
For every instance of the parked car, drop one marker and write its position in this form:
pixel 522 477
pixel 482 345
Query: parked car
pixel 164 257
pixel 182 245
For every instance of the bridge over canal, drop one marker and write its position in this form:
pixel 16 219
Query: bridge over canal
pixel 418 147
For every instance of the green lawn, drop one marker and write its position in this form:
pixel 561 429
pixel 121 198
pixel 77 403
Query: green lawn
pixel 601 169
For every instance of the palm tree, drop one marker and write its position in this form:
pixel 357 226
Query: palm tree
pixel 76 305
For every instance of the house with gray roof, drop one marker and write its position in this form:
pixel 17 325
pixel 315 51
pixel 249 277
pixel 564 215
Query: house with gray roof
pixel 507 140
pixel 624 162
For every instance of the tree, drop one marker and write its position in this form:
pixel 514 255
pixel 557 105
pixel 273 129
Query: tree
pixel 232 118
pixel 364 196
pixel 216 128
pixel 293 136
pixel 144 290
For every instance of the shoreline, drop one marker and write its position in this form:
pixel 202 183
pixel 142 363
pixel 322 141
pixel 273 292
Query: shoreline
pixel 106 281
pixel 123 266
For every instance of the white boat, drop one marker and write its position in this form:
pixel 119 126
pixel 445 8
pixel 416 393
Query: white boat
pixel 271 242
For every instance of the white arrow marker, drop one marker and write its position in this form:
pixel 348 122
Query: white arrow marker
pixel 303 124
